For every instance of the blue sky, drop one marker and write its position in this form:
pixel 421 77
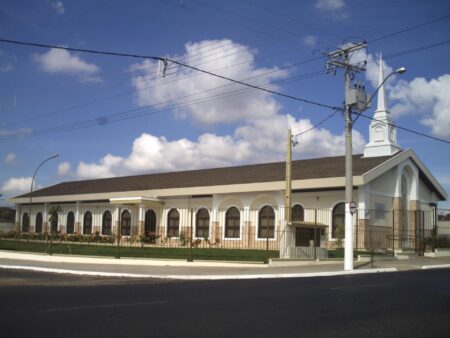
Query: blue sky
pixel 110 116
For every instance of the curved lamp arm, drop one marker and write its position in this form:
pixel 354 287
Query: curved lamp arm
pixel 400 70
pixel 32 181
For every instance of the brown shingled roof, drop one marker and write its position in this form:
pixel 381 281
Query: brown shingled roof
pixel 266 172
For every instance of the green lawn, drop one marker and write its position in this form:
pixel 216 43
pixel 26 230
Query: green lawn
pixel 111 251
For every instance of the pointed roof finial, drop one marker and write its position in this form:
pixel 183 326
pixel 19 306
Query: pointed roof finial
pixel 382 105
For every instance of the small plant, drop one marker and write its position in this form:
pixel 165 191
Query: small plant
pixel 182 239
pixel 216 241
pixel 196 242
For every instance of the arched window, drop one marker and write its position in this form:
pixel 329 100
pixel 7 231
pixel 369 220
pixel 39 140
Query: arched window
pixel 298 213
pixel 70 223
pixel 266 225
pixel 38 228
pixel 87 223
pixel 338 221
pixel 106 223
pixel 150 223
pixel 125 223
pixel 173 223
pixel 54 222
pixel 232 223
pixel 25 222
pixel 202 223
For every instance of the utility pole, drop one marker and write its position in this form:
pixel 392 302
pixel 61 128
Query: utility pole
pixel 287 193
pixel 355 98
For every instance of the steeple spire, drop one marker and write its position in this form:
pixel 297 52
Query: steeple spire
pixel 383 133
pixel 382 105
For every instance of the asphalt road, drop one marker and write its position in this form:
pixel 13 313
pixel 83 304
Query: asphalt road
pixel 403 304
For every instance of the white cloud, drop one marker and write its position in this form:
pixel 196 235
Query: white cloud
pixel 194 86
pixel 428 98
pixel 372 67
pixel 15 133
pixel 64 169
pixel 418 96
pixel 335 9
pixel 310 40
pixel 10 158
pixel 259 138
pixel 58 6
pixel 258 141
pixel 330 5
pixel 15 186
pixel 61 61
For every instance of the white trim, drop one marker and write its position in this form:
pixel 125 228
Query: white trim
pixel 396 160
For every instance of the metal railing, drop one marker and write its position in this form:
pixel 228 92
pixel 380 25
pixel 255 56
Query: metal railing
pixel 313 234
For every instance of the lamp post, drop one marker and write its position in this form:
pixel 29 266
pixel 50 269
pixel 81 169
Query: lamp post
pixel 348 253
pixel 398 71
pixel 31 188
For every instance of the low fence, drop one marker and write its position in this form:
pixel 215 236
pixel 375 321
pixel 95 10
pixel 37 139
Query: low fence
pixel 314 234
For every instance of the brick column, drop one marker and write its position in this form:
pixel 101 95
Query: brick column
pixel 362 235
pixel 396 219
pixel 415 218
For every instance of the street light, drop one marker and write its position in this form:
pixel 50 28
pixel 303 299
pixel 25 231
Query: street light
pixel 398 71
pixel 31 188
pixel 348 251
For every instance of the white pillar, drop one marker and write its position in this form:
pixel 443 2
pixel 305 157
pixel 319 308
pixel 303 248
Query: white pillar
pixel 141 219
pixel 17 213
pixel 77 212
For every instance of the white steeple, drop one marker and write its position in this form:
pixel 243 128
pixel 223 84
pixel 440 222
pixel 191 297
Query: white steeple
pixel 383 135
pixel 381 106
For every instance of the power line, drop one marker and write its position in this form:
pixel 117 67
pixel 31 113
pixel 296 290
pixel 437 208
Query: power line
pixel 411 28
pixel 170 82
pixel 209 15
pixel 317 124
pixel 404 128
pixel 157 58
pixel 293 19
pixel 229 79
pixel 116 117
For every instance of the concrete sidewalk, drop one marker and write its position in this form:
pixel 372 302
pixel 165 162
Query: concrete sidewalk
pixel 204 270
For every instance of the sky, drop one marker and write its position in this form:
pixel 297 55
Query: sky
pixel 114 116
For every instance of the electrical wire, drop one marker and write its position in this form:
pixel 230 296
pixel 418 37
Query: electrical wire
pixel 229 79
pixel 116 117
pixel 157 58
pixel 258 5
pixel 221 45
pixel 404 128
pixel 410 28
pixel 317 124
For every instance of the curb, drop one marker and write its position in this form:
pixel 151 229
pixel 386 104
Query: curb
pixel 125 261
pixel 199 277
pixel 437 266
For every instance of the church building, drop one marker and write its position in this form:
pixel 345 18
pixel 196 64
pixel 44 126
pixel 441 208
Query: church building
pixel 244 205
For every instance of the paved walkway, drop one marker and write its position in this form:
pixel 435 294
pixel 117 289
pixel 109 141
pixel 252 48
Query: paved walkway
pixel 205 270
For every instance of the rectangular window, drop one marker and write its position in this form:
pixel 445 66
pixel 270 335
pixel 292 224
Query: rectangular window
pixel 380 212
